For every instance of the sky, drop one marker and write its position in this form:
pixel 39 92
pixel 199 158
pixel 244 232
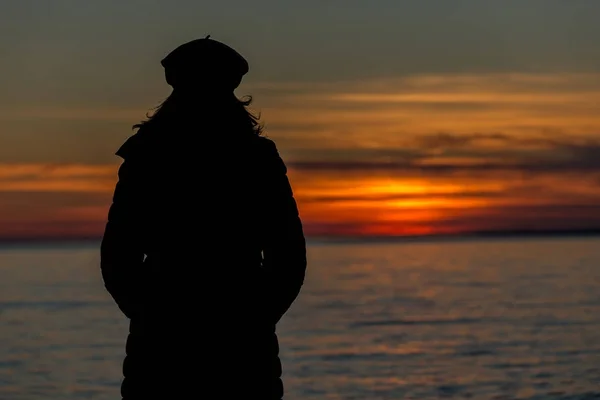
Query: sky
pixel 394 117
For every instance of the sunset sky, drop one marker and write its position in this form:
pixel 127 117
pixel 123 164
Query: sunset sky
pixel 394 117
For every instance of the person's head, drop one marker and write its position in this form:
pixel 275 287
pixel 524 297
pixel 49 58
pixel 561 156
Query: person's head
pixel 205 64
pixel 204 72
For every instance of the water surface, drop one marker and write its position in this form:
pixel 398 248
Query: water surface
pixel 497 319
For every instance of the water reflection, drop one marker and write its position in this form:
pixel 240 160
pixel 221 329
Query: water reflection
pixel 482 320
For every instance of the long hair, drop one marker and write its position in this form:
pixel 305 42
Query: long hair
pixel 231 106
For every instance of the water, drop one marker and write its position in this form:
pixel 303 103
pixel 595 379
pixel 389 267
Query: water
pixel 503 319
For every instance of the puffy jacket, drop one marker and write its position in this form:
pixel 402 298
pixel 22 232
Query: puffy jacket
pixel 204 252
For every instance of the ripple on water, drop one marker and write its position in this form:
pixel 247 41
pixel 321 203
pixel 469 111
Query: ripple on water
pixel 466 320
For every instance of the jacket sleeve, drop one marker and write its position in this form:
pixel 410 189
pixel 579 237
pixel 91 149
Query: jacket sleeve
pixel 284 248
pixel 121 254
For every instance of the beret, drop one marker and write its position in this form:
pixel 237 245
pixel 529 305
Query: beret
pixel 205 60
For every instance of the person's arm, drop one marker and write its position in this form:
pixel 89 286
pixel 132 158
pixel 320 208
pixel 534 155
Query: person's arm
pixel 121 255
pixel 284 248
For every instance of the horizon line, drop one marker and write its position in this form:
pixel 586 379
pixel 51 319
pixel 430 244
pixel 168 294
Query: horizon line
pixel 349 237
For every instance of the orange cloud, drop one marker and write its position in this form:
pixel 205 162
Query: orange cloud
pixel 417 155
pixel 389 112
pixel 56 178
pixel 49 200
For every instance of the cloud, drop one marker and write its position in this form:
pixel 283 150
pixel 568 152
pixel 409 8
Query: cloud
pixel 54 200
pixel 388 113
pixel 70 113
pixel 338 117
pixel 573 216
pixel 420 154
pixel 447 153
pixel 519 217
pixel 378 198
pixel 52 214
pixel 57 178
pixel 450 140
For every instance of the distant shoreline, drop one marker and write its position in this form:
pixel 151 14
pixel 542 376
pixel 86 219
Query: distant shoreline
pixel 350 239
pixel 524 234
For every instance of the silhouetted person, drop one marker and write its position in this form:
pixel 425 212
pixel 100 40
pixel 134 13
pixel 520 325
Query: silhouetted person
pixel 203 250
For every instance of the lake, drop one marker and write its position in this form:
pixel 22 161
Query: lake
pixel 479 319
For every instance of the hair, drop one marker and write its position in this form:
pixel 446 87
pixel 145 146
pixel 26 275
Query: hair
pixel 238 109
